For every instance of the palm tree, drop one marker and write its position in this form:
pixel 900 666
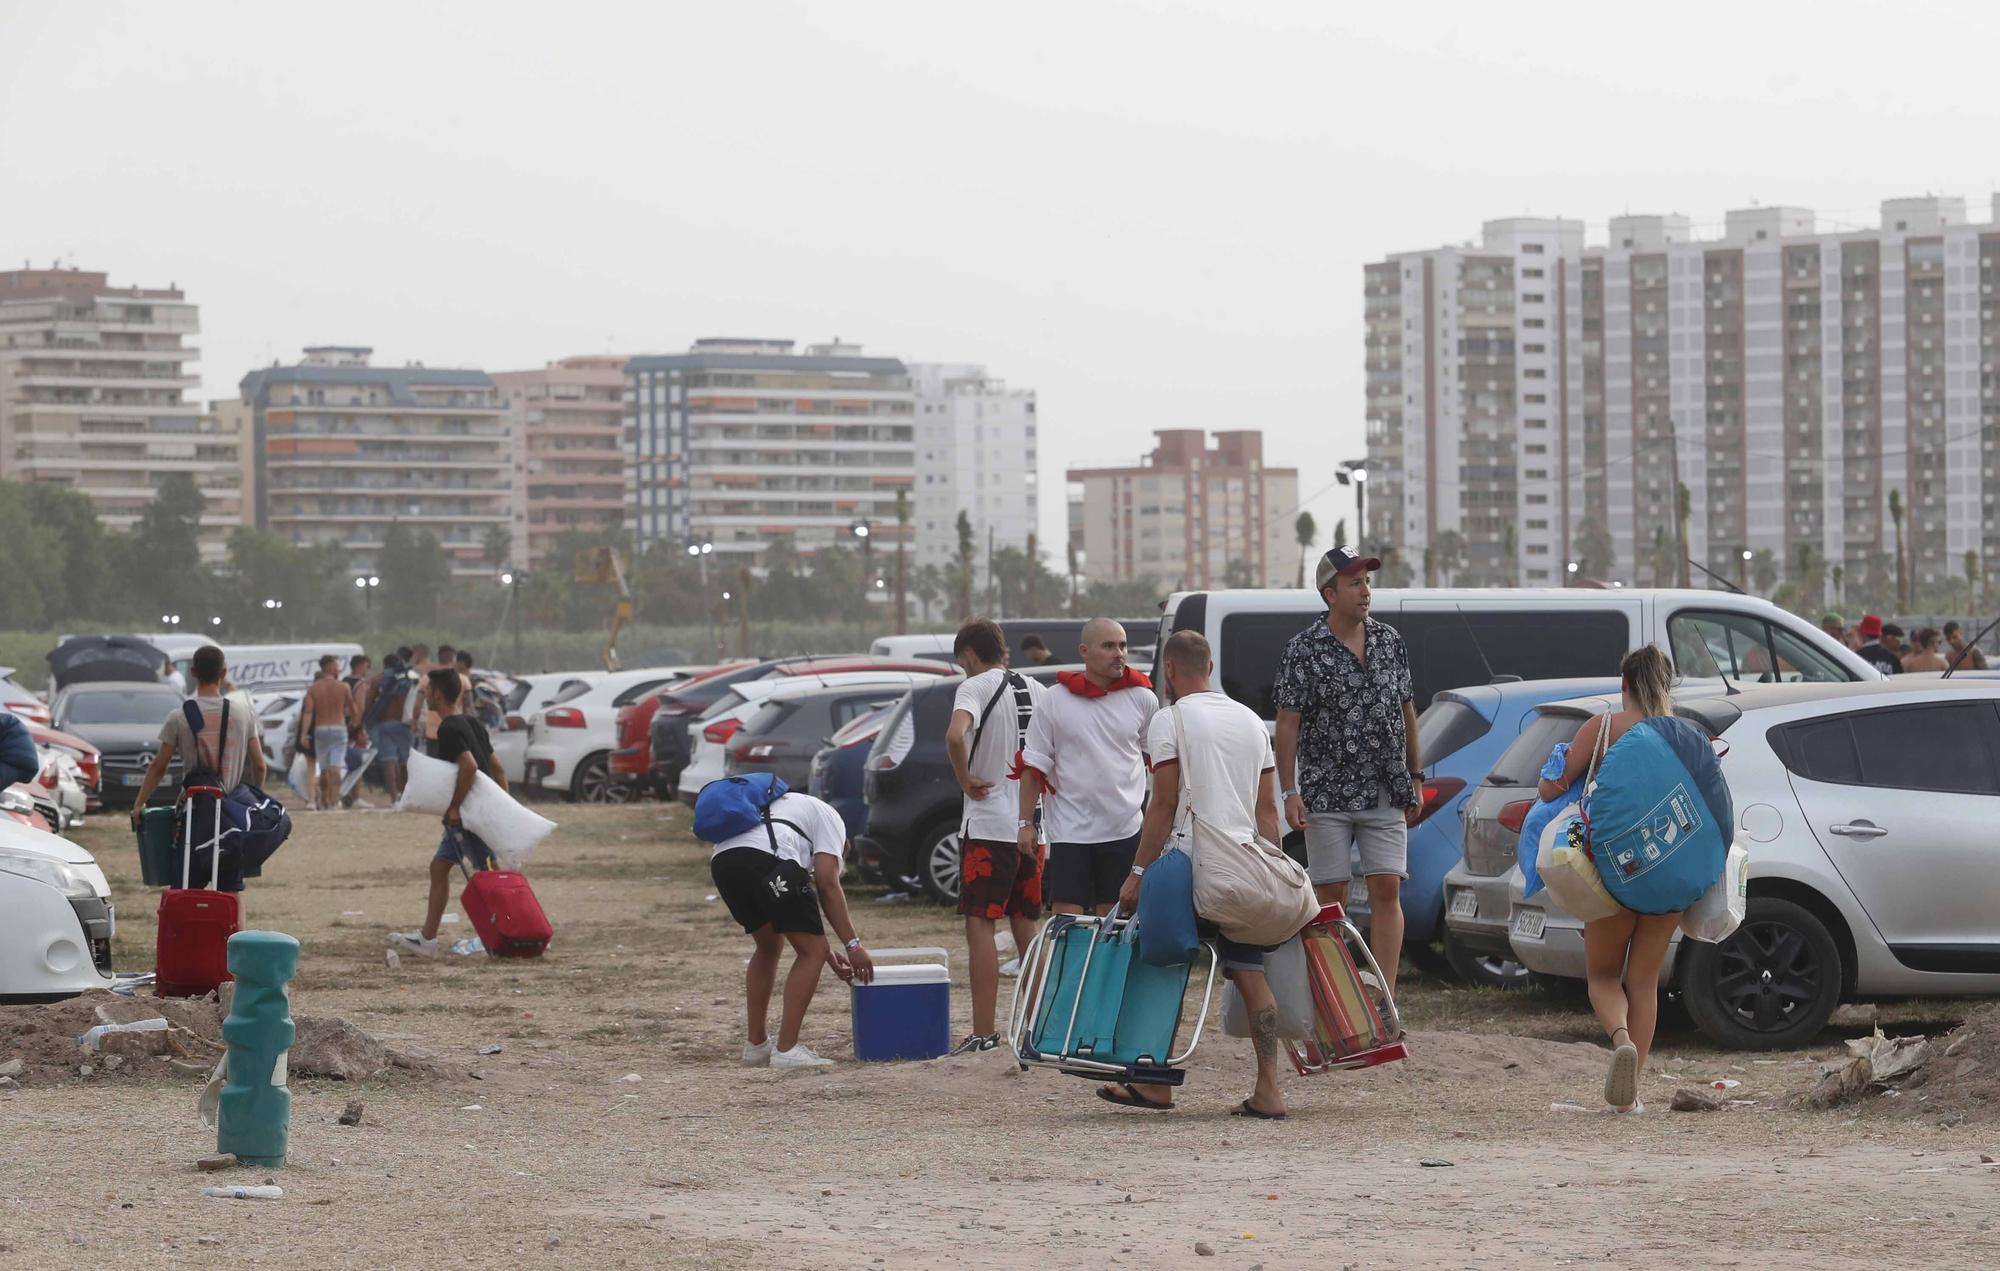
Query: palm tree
pixel 1839 585
pixel 1306 531
pixel 1896 515
pixel 1972 579
pixel 1075 597
pixel 1449 554
pixel 495 548
pixel 1764 571
pixel 967 559
pixel 1683 504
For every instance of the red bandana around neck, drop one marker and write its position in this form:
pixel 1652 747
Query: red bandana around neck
pixel 1077 683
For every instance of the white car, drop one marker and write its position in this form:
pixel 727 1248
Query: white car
pixel 1868 811
pixel 21 700
pixel 570 743
pixel 55 917
pixel 707 760
pixel 529 695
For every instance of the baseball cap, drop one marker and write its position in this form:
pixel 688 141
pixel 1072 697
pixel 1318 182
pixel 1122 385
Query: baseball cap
pixel 1830 616
pixel 1341 560
pixel 1871 626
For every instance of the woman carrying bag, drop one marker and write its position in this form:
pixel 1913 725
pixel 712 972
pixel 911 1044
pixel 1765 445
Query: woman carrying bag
pixel 1653 865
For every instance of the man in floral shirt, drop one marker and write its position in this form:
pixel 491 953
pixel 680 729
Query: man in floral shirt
pixel 1347 749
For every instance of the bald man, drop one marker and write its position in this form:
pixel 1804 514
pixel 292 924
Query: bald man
pixel 1083 761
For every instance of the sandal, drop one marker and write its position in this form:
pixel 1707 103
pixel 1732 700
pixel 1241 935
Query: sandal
pixel 1131 1098
pixel 1621 1083
pixel 1247 1109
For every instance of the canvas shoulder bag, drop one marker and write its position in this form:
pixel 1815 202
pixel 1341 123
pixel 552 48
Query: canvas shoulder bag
pixel 1253 891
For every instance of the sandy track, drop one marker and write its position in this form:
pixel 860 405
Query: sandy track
pixel 700 1163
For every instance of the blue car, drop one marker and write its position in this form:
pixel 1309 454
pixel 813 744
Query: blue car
pixel 840 766
pixel 1460 735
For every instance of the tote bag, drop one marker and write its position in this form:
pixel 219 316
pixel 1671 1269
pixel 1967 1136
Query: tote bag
pixel 1253 891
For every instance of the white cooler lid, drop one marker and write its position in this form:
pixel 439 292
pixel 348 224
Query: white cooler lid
pixel 920 974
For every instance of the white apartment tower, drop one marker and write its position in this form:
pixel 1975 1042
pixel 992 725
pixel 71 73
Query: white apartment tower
pixel 1789 380
pixel 976 451
pixel 93 387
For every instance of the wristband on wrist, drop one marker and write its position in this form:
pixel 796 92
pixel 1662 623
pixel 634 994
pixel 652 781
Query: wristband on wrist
pixel 854 944
pixel 1292 793
pixel 1022 825
pixel 1138 871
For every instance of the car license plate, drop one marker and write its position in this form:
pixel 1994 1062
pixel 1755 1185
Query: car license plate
pixel 132 779
pixel 1528 923
pixel 1465 904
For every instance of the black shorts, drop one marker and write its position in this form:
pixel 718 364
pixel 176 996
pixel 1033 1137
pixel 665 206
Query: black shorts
pixel 1088 874
pixel 763 890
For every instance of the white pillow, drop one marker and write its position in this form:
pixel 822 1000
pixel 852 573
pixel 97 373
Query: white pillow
pixel 509 828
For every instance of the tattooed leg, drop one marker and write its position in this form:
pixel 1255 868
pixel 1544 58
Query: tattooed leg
pixel 1263 1009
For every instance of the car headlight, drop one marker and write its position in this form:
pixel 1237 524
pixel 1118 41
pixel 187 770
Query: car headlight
pixel 69 878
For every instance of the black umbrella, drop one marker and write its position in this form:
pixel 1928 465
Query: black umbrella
pixel 83 659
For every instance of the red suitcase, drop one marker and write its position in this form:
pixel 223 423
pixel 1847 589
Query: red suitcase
pixel 505 913
pixel 192 954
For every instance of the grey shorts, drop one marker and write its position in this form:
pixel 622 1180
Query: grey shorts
pixel 1340 845
pixel 330 746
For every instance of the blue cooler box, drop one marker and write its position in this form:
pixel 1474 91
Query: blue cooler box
pixel 906 1012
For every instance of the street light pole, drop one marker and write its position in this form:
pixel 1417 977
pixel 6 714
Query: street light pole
pixel 866 534
pixel 1354 472
pixel 511 579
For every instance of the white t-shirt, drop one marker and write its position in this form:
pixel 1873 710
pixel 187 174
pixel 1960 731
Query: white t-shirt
pixel 993 818
pixel 825 833
pixel 1228 753
pixel 1091 751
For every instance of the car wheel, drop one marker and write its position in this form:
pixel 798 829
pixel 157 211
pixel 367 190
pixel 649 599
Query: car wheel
pixel 593 782
pixel 1772 984
pixel 1483 970
pixel 937 865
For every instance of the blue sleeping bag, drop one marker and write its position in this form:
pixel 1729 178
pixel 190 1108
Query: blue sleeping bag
pixel 1659 816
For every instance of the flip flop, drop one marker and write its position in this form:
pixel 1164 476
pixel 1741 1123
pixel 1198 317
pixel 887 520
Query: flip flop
pixel 1132 1098
pixel 1245 1109
pixel 1621 1083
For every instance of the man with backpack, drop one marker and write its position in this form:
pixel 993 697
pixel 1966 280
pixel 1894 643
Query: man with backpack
pixel 776 864
pixel 386 716
pixel 990 714
pixel 224 754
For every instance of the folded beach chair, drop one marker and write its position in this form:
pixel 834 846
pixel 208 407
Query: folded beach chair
pixel 1086 1005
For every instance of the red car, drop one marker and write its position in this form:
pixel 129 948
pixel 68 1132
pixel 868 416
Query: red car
pixel 85 754
pixel 639 754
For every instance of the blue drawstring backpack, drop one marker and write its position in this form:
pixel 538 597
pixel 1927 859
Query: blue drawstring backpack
pixel 1535 825
pixel 1659 816
pixel 1166 911
pixel 731 806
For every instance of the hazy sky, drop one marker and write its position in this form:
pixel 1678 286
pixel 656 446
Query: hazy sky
pixel 1154 214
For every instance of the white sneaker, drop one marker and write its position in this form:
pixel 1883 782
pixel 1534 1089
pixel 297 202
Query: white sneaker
pixel 798 1057
pixel 1011 968
pixel 414 942
pixel 759 1055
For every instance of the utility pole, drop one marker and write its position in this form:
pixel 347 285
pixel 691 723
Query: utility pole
pixel 902 569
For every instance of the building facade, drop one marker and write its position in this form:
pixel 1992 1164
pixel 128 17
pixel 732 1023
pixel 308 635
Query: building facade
pixel 1772 391
pixel 742 443
pixel 976 452
pixel 96 395
pixel 567 435
pixel 1189 517
pixel 345 450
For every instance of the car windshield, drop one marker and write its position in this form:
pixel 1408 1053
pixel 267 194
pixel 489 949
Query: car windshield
pixel 1521 763
pixel 121 706
pixel 1447 727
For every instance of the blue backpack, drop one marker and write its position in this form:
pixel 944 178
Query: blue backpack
pixel 1659 816
pixel 730 806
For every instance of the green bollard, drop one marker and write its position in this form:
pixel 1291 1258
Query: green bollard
pixel 255 1113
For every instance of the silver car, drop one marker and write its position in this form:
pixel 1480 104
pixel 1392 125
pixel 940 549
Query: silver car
pixel 1870 814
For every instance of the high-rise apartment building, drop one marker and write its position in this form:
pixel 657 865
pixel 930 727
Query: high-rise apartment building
pixel 93 395
pixel 1550 402
pixel 345 450
pixel 743 442
pixel 566 427
pixel 1189 517
pixel 977 453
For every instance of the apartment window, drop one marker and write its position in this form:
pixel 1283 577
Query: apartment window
pixel 1531 249
pixel 1534 423
pixel 1534 348
pixel 1535 474
pixel 1536 323
pixel 1541 524
pixel 1533 297
pixel 1536 399
pixel 1537 449
pixel 1531 273
pixel 1537 499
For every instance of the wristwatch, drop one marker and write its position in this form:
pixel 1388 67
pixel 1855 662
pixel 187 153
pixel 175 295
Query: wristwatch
pixel 1288 794
pixel 1022 824
pixel 1138 871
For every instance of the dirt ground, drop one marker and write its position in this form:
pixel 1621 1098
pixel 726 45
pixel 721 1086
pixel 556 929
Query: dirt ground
pixel 615 1128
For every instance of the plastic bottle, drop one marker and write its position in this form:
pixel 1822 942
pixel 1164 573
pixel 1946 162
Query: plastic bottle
pixel 254 1116
pixel 89 1040
pixel 244 1193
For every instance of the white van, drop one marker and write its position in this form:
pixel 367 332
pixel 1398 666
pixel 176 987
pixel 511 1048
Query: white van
pixel 259 668
pixel 1466 636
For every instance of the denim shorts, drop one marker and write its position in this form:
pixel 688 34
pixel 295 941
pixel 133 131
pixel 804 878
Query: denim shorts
pixel 461 846
pixel 392 741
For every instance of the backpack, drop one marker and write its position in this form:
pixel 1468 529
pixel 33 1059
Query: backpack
pixel 1024 709
pixel 392 690
pixel 193 772
pixel 729 806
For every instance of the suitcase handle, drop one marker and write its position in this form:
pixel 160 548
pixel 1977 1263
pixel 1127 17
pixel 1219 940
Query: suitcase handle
pixel 187 836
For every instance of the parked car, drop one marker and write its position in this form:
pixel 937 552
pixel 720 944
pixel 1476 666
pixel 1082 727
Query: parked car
pixel 840 767
pixel 89 762
pixel 56 940
pixel 1472 635
pixel 795 719
pixel 913 797
pixel 570 743
pixel 122 719
pixel 528 695
pixel 632 760
pixel 668 741
pixel 718 725
pixel 1869 815
pixel 21 700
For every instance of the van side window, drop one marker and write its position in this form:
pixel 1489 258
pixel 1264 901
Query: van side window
pixel 1446 646
pixel 1745 647
pixel 1253 645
